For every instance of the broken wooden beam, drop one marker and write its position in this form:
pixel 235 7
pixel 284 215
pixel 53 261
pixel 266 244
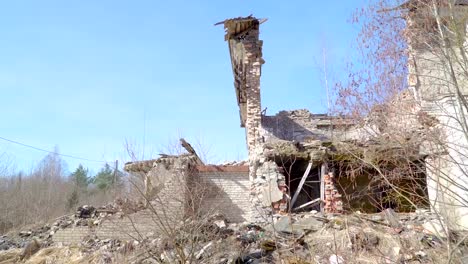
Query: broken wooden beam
pixel 299 188
pixel 313 202
pixel 191 150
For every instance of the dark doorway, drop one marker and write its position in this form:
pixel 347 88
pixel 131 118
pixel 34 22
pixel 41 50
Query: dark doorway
pixel 294 172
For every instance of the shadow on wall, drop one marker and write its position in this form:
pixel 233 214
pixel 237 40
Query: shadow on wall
pixel 226 193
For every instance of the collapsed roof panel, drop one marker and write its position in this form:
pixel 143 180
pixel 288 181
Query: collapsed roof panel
pixel 303 126
pixel 168 161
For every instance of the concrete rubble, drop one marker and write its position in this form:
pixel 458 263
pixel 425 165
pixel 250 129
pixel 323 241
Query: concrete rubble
pixel 84 216
pixel 310 237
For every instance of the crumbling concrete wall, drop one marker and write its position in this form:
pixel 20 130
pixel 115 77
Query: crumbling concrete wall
pixel 298 125
pixel 225 190
pixel 447 143
pixel 266 191
pixel 447 173
pixel 254 62
pixel 245 49
pixel 165 179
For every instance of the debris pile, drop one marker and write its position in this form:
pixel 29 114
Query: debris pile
pixel 312 237
pixel 85 215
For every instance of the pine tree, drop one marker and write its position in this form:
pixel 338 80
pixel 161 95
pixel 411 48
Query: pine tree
pixel 107 178
pixel 80 177
pixel 72 200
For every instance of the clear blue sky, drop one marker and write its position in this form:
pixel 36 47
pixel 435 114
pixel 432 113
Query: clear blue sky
pixel 88 75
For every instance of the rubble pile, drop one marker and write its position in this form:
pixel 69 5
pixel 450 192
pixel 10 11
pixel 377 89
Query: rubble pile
pixel 85 215
pixel 310 237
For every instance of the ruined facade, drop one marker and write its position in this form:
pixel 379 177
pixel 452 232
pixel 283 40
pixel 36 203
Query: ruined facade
pixel 245 49
pixel 180 187
pixel 290 152
pixel 296 157
pixel 438 79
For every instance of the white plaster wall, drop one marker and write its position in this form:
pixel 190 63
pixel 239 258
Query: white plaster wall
pixel 446 143
pixel 447 169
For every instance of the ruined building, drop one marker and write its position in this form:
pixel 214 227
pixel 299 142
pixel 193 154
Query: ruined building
pixel 294 156
pixel 299 161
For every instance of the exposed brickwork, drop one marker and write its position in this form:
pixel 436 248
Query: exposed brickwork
pixel 333 201
pixel 253 121
pixel 246 57
pixel 173 196
pixel 135 226
pixel 216 168
pixel 72 235
pixel 128 227
pixel 227 193
pixel 224 189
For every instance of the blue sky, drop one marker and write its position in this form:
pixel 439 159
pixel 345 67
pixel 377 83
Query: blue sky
pixel 88 75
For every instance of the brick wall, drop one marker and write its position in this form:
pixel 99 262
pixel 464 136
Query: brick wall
pixel 166 210
pixel 135 226
pixel 128 227
pixel 333 201
pixel 72 235
pixel 228 189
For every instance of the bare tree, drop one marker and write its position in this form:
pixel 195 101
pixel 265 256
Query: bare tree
pixel 410 101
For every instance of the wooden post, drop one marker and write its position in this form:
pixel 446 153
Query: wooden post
pixel 323 171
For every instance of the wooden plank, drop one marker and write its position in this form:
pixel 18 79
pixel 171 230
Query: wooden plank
pixel 191 150
pixel 299 188
pixel 315 201
pixel 323 171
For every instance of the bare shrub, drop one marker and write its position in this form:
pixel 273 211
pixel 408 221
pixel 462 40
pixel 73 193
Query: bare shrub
pixel 410 101
pixel 44 194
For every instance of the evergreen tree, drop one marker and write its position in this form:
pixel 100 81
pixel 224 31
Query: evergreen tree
pixel 80 177
pixel 72 200
pixel 105 178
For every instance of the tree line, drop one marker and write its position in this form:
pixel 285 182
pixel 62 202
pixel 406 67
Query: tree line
pixel 49 191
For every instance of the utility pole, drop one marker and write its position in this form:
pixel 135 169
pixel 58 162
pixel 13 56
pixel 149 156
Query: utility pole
pixel 114 181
